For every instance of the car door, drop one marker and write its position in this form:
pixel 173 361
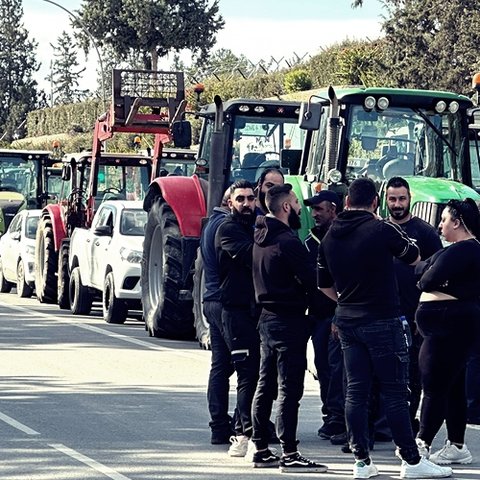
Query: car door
pixel 99 245
pixel 12 248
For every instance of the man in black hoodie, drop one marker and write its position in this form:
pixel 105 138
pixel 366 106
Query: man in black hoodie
pixel 234 244
pixel 283 277
pixel 355 259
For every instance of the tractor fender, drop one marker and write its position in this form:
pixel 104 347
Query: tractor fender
pixel 186 197
pixel 58 226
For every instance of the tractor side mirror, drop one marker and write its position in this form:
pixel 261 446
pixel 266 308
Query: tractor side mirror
pixel 66 173
pixel 182 134
pixel 309 117
pixel 290 160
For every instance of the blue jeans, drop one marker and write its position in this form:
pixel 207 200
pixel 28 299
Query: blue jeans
pixel 377 350
pixel 283 356
pixel 221 370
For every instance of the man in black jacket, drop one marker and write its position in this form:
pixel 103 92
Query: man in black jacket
pixel 356 260
pixel 283 277
pixel 233 244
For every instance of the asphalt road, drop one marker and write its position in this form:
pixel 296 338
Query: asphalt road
pixel 81 399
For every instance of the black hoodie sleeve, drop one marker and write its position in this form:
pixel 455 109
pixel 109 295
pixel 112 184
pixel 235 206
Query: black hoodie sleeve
pixel 324 278
pixel 300 264
pixel 401 246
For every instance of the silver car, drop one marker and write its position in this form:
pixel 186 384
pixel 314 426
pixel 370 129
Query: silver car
pixel 17 253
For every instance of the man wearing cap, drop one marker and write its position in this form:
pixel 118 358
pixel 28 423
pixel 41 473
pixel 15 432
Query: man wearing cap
pixel 328 354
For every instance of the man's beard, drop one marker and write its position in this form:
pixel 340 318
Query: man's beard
pixel 400 214
pixel 294 221
pixel 245 217
pixel 261 199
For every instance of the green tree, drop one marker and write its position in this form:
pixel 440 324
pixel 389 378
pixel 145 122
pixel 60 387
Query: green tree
pixel 66 73
pixel 18 90
pixel 297 80
pixel 430 44
pixel 151 29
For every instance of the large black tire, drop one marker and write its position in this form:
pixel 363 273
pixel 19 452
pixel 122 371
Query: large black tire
pixel 167 313
pixel 201 325
pixel 5 285
pixel 80 298
pixel 46 262
pixel 63 275
pixel 114 309
pixel 24 290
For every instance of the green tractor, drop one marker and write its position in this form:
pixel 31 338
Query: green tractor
pixel 28 179
pixel 379 133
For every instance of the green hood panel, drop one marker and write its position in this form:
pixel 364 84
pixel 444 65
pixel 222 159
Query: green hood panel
pixel 303 190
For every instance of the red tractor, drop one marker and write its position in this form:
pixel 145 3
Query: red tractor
pixel 145 102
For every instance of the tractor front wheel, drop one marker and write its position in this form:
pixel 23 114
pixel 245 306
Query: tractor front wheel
pixel 46 262
pixel 166 308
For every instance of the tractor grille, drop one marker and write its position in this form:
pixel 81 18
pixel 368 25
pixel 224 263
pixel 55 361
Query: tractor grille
pixel 430 212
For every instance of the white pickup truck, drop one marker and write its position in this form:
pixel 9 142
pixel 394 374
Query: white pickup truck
pixel 105 261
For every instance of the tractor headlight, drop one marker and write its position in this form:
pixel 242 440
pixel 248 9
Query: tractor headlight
pixel 131 256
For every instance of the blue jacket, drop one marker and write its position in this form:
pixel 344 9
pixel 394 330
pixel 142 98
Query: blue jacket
pixel 209 256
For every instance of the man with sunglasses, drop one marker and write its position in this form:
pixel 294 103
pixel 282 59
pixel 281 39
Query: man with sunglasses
pixel 233 245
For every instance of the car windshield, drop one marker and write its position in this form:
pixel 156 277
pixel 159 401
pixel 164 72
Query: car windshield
pixel 133 222
pixel 31 227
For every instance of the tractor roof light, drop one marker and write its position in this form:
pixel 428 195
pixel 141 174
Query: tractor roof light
pixel 243 108
pixel 383 103
pixel 453 107
pixel 440 107
pixel 369 103
pixel 259 109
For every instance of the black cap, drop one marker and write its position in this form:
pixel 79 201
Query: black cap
pixel 321 196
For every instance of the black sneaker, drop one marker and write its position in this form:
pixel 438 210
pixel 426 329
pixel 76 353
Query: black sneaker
pixel 340 439
pixel 296 463
pixel 265 459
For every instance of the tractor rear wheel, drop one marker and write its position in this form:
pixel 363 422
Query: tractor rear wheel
pixel 202 328
pixel 46 262
pixel 166 311
pixel 63 297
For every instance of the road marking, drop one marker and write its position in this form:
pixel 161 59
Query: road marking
pixel 19 426
pixel 107 471
pixel 200 354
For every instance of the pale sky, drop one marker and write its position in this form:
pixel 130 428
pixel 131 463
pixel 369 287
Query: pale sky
pixel 258 29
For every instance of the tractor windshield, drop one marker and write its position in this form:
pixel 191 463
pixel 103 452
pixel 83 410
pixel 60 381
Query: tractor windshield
pixel 397 141
pixel 257 142
pixel 19 175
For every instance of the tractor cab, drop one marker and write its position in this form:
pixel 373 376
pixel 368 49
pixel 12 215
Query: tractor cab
pixel 380 133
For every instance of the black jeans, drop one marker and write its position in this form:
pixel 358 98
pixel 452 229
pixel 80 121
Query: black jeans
pixel 377 350
pixel 221 369
pixel 283 353
pixel 329 366
pixel 243 341
pixel 449 331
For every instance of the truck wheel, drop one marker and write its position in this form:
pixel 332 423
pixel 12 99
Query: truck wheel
pixel 201 325
pixel 114 309
pixel 24 290
pixel 63 298
pixel 80 298
pixel 46 263
pixel 5 285
pixel 166 313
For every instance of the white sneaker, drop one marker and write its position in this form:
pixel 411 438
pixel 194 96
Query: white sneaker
pixel 239 446
pixel 451 454
pixel 423 448
pixel 362 470
pixel 424 469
